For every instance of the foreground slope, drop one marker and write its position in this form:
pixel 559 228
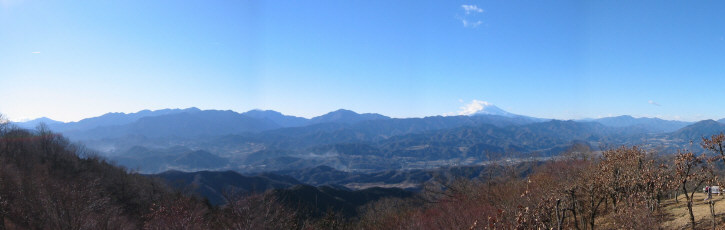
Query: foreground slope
pixel 44 184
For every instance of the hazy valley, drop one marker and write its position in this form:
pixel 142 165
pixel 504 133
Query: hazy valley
pixel 359 144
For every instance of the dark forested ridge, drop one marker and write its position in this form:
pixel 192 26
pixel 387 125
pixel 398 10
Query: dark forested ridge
pixel 48 183
pixel 221 186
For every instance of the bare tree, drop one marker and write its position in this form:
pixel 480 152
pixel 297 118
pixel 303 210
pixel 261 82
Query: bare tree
pixel 715 144
pixel 691 172
pixel 262 211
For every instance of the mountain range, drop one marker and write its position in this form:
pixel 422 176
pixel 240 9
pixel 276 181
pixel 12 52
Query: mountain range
pixel 265 140
pixel 217 122
pixel 655 125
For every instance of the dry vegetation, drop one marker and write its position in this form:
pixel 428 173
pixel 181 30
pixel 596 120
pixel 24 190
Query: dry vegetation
pixel 624 188
pixel 48 183
pixel 678 215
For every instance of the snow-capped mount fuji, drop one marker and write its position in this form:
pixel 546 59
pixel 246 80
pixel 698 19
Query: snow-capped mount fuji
pixel 477 107
pixel 484 108
pixel 490 109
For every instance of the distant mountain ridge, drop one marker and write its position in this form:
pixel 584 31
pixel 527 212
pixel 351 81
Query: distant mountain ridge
pixel 35 122
pixel 261 120
pixel 346 116
pixel 698 130
pixel 191 122
pixel 146 160
pixel 651 124
pixel 266 140
pixel 108 119
pixel 277 117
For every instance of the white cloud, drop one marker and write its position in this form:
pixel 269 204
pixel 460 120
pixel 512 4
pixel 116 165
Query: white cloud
pixel 651 102
pixel 471 18
pixel 471 9
pixel 36 52
pixel 466 23
pixel 473 107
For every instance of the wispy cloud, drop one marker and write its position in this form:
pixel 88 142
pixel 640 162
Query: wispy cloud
pixel 471 17
pixel 466 23
pixel 36 52
pixel 651 102
pixel 473 107
pixel 471 9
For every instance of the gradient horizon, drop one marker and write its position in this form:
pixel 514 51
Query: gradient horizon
pixel 69 60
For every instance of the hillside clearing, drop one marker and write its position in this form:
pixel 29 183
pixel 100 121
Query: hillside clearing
pixel 677 216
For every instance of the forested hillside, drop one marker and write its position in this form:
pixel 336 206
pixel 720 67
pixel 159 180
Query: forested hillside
pixel 48 183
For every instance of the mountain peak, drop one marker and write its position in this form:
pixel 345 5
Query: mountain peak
pixel 708 122
pixel 346 116
pixel 699 129
pixel 45 119
pixel 477 107
pixel 276 117
pixel 343 111
pixel 191 109
pixel 34 122
pixel 260 112
pixel 493 110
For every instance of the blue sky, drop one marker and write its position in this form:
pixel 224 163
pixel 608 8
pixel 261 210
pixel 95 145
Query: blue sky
pixel 556 59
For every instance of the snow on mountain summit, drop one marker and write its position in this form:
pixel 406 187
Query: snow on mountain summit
pixel 477 107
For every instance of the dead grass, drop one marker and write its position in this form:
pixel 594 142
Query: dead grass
pixel 677 216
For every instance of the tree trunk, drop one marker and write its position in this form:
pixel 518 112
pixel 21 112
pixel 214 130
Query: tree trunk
pixel 559 217
pixel 712 213
pixel 692 216
pixel 574 211
pixel 689 205
pixel 614 202
pixel 677 194
pixel 593 213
